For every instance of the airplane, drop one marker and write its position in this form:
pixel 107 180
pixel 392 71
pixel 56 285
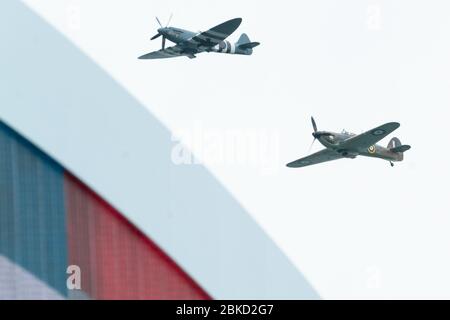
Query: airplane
pixel 349 145
pixel 191 43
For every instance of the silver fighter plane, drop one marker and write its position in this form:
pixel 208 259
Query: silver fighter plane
pixel 190 43
pixel 349 145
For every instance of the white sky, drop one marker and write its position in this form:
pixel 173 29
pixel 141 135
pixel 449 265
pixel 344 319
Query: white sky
pixel 355 228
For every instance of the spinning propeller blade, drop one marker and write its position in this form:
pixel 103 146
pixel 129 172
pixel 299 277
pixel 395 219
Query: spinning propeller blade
pixel 155 36
pixel 159 22
pixel 314 124
pixel 170 19
pixel 312 143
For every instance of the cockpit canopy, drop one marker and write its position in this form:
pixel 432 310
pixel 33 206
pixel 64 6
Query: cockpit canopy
pixel 330 138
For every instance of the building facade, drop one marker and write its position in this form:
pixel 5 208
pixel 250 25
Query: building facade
pixel 53 228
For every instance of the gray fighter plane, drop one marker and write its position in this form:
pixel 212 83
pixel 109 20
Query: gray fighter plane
pixel 190 43
pixel 349 145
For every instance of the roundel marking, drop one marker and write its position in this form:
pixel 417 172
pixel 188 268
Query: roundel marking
pixel 378 132
pixel 371 149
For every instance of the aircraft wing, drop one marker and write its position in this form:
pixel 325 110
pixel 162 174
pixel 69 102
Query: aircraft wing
pixel 364 140
pixel 170 52
pixel 315 158
pixel 215 35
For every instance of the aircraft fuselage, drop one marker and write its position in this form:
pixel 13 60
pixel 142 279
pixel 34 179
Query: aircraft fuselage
pixel 333 140
pixel 183 37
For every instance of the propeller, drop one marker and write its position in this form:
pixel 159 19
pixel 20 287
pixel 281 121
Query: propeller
pixel 312 143
pixel 155 36
pixel 159 34
pixel 314 124
pixel 159 22
pixel 316 134
pixel 170 19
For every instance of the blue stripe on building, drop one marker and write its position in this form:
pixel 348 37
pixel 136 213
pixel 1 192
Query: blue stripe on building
pixel 32 213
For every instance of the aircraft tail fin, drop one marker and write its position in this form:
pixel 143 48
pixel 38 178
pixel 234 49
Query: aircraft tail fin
pixel 243 39
pixel 396 146
pixel 395 142
pixel 245 43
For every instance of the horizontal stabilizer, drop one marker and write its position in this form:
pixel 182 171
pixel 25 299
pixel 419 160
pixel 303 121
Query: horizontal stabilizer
pixel 249 45
pixel 401 148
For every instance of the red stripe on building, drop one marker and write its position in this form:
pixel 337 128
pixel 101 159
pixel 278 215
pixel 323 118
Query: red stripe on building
pixel 118 261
